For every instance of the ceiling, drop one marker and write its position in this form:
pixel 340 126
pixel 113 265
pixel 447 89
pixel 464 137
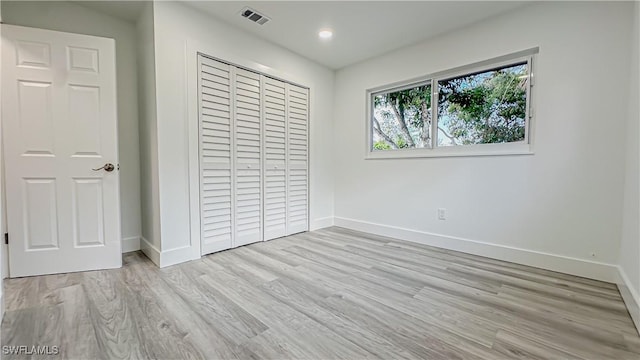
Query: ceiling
pixel 362 29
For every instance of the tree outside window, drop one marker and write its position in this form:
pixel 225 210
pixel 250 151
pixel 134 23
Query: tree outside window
pixel 485 107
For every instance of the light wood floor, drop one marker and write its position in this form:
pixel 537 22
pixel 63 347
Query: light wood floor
pixel 327 294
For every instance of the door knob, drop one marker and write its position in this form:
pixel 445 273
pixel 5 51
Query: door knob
pixel 108 167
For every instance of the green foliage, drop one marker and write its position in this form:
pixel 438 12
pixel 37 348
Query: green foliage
pixel 381 145
pixel 401 142
pixel 414 107
pixel 485 108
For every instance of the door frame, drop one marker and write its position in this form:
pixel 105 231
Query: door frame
pixel 194 48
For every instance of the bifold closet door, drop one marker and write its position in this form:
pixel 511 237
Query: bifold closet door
pixel 248 158
pixel 253 156
pixel 216 148
pixel 297 159
pixel 275 159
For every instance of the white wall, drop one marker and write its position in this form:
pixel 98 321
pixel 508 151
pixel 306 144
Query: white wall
pixel 552 209
pixel 175 24
pixel 69 17
pixel 149 195
pixel 629 262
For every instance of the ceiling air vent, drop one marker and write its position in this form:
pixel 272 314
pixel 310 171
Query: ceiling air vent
pixel 254 16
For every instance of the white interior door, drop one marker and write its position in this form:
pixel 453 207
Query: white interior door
pixel 59 122
pixel 275 133
pixel 216 154
pixel 248 158
pixel 297 159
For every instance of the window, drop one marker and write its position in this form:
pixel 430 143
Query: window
pixel 480 109
pixel 402 118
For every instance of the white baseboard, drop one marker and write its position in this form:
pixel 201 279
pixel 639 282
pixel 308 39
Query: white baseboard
pixel 176 256
pixel 630 296
pixel 321 223
pixel 564 264
pixel 150 251
pixel 130 244
pixel 167 257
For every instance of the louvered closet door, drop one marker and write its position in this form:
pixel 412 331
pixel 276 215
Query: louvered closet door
pixel 297 151
pixel 216 141
pixel 275 132
pixel 248 149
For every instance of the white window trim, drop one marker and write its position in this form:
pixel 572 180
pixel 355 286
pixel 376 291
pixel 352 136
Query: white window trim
pixel 524 147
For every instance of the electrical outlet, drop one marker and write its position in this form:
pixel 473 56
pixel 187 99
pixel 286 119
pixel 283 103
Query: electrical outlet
pixel 442 214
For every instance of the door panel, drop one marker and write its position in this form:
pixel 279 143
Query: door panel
pixel 33 54
pixel 83 59
pixel 84 114
pixel 88 212
pixel 248 152
pixel 216 140
pixel 36 122
pixel 59 123
pixel 41 214
pixel 297 159
pixel 275 212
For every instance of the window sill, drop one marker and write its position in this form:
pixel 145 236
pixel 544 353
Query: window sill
pixel 458 151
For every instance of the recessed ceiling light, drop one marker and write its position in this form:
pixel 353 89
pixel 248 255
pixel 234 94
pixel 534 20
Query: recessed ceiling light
pixel 325 34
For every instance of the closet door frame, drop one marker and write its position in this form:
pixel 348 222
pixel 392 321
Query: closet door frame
pixel 195 48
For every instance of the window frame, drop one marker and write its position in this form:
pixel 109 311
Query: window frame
pixel 524 147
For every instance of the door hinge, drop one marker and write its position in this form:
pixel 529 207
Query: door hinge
pixel 6 238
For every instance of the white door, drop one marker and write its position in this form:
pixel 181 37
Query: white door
pixel 248 149
pixel 216 140
pixel 275 162
pixel 59 123
pixel 297 159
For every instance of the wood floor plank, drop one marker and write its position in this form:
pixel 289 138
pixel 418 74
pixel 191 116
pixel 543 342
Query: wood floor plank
pixel 482 261
pixel 574 295
pixel 305 302
pixel 539 326
pixel 79 335
pixel 160 336
pixel 279 316
pixel 233 321
pixel 514 346
pixel 110 315
pixel 198 327
pixel 436 342
pixel 327 294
